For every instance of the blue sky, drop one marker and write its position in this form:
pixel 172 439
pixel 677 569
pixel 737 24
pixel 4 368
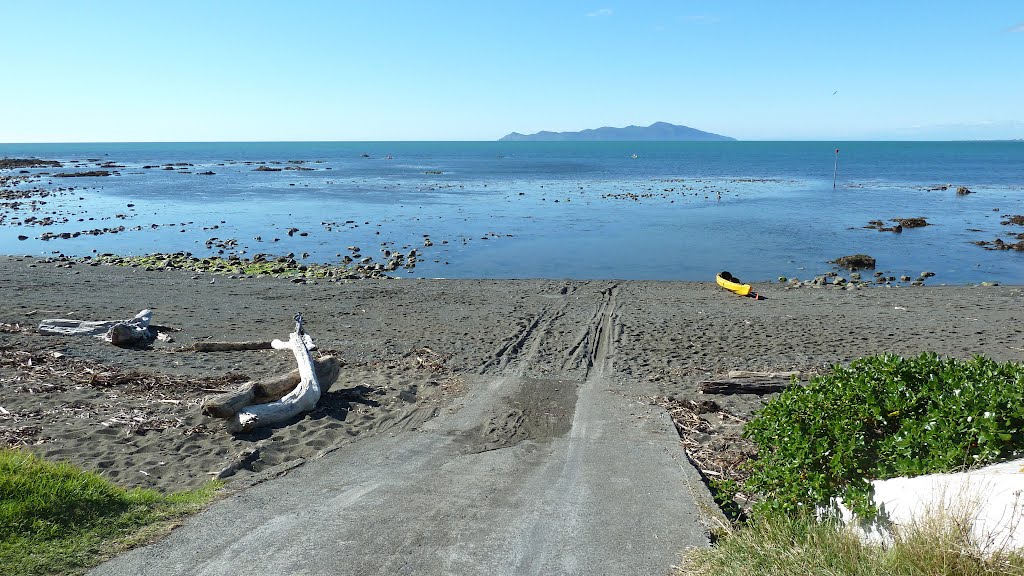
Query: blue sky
pixel 476 70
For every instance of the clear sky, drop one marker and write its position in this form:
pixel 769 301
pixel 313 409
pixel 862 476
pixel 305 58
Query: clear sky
pixel 478 69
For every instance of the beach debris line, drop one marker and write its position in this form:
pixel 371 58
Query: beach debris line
pixel 712 439
pixel 48 370
pixel 7 328
pixel 133 402
pixel 135 331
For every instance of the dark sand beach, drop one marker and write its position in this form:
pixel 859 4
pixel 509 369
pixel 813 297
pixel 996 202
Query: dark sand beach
pixel 409 347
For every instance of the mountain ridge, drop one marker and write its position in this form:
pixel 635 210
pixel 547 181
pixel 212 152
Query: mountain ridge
pixel 656 132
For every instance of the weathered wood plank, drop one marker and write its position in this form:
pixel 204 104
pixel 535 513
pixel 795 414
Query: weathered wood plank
pixel 230 346
pixel 743 385
pixel 751 374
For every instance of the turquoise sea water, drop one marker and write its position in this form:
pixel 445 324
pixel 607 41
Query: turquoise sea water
pixel 677 210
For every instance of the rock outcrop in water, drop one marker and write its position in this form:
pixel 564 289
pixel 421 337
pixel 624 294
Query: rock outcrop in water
pixel 657 132
pixel 88 174
pixel 855 262
pixel 12 163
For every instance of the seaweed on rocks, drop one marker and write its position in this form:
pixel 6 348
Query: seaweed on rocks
pixel 259 265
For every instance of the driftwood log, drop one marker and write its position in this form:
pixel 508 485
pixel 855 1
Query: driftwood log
pixel 264 391
pixel 302 398
pixel 230 346
pixel 743 385
pixel 122 333
pixel 750 374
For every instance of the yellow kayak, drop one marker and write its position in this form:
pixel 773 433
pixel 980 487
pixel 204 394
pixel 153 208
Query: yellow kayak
pixel 732 284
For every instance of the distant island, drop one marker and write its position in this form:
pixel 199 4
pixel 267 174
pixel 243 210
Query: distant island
pixel 657 132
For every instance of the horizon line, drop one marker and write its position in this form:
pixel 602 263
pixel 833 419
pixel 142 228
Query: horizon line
pixel 735 140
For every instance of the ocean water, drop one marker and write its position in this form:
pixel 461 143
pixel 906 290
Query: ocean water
pixel 673 211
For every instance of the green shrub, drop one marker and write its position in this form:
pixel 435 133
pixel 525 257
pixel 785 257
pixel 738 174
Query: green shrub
pixel 883 416
pixel 724 490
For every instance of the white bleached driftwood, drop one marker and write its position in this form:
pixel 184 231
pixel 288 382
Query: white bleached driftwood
pixel 302 398
pixel 228 404
pixel 118 332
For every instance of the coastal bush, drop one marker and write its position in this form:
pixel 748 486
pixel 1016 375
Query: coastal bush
pixel 57 519
pixel 882 417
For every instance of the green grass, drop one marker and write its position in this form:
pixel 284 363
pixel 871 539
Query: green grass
pixel 783 546
pixel 57 519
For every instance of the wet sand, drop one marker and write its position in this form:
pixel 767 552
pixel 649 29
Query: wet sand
pixel 409 347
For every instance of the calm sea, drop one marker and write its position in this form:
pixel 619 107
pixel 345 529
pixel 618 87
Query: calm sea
pixel 679 211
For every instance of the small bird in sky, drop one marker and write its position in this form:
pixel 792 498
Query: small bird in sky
pixel 836 92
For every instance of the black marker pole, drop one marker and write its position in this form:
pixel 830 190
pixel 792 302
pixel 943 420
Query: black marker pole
pixel 835 169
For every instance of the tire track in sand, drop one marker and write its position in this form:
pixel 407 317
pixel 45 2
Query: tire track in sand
pixel 595 349
pixel 515 356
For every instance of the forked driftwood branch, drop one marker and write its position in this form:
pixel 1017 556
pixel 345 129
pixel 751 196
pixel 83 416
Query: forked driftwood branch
pixel 230 403
pixel 267 402
pixel 302 398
